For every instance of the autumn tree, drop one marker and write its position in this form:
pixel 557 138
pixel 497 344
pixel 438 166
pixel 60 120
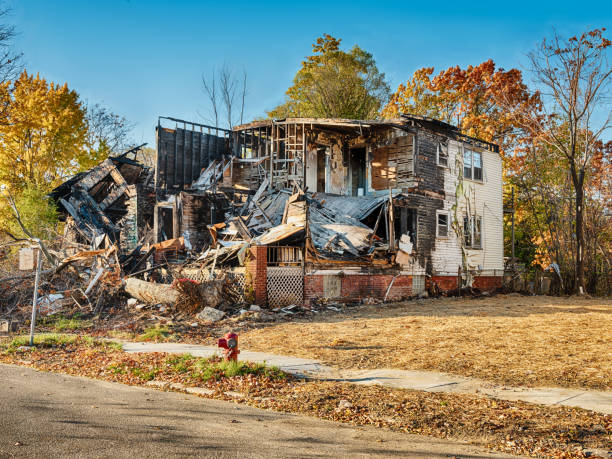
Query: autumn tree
pixel 574 77
pixel 481 100
pixel 44 139
pixel 333 83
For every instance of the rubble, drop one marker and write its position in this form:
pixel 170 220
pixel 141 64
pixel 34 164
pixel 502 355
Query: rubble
pixel 209 314
pixel 50 304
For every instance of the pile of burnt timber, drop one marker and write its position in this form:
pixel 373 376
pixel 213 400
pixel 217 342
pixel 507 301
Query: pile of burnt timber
pixel 104 202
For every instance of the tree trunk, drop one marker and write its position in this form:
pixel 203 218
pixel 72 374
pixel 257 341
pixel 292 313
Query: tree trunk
pixel 150 292
pixel 578 179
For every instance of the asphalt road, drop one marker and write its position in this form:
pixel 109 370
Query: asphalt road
pixel 52 415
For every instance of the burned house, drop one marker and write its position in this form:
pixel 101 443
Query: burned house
pixel 334 208
pixel 302 209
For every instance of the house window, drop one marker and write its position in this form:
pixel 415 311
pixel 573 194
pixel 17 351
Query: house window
pixel 472 231
pixel 442 155
pixel 442 224
pixel 472 165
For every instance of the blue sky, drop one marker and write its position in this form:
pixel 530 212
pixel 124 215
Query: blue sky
pixel 144 58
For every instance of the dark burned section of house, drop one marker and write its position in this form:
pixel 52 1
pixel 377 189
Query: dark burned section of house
pixel 114 199
pixel 301 210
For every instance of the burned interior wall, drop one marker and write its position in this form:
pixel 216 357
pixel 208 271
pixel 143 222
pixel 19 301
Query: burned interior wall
pixel 392 163
pixel 182 153
pixel 338 170
pixel 128 224
pixel 198 210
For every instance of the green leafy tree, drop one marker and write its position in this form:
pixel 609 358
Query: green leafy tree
pixel 36 211
pixel 333 83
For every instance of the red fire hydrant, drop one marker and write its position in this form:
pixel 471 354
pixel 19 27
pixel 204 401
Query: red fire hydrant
pixel 229 343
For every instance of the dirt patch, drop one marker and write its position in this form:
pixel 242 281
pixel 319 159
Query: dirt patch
pixel 508 339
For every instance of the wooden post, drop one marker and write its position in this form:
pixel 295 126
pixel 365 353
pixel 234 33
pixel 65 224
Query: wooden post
pixel 391 223
pixel 35 297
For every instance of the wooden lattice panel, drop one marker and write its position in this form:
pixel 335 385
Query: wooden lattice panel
pixel 285 286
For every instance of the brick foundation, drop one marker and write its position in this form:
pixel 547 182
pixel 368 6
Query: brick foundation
pixel 353 287
pixel 485 283
pixel 488 283
pixel 356 287
pixel 446 283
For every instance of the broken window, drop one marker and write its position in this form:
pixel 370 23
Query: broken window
pixel 472 165
pixel 442 224
pixel 442 155
pixel 472 231
pixel 405 223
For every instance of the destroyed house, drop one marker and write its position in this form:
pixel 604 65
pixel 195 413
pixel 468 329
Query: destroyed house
pixel 302 209
pixel 338 209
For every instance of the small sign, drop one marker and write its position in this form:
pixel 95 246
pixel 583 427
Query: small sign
pixel 27 258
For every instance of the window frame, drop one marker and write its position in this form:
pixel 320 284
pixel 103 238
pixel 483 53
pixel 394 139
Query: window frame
pixel 447 214
pixel 440 148
pixel 469 234
pixel 472 169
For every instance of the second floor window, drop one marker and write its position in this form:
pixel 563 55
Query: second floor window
pixel 472 165
pixel 472 231
pixel 442 155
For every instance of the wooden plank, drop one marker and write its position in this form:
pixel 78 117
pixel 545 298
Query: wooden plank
pixel 97 174
pixel 115 194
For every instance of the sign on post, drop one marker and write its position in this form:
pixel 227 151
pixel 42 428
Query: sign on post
pixel 27 258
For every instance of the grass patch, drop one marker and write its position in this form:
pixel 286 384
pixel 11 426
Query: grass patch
pixel 121 334
pixel 154 334
pixel 64 324
pixel 54 340
pixel 44 340
pixel 215 369
pixel 180 363
pixel 60 323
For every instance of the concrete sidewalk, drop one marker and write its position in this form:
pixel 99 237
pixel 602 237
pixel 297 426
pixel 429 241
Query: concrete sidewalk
pixel 430 381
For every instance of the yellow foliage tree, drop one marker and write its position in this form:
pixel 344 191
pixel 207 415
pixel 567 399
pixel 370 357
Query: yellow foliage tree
pixel 43 134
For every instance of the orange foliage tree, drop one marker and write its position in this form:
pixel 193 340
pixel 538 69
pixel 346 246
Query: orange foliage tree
pixel 470 98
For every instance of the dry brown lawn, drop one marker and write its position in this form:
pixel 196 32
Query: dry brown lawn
pixel 508 339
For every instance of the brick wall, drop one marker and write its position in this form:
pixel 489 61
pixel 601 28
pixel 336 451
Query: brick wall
pixel 313 288
pixel 446 283
pixel 257 272
pixel 488 282
pixel 355 287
